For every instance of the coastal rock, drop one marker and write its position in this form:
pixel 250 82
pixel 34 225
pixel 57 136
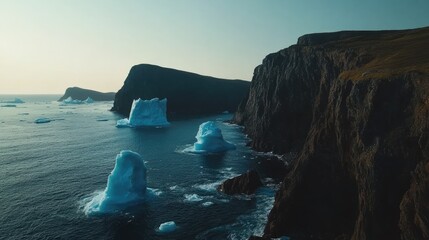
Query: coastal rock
pixel 244 184
pixel 355 107
pixel 187 93
pixel 82 94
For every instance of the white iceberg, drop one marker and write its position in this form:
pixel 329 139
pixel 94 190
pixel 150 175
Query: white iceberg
pixel 146 113
pixel 42 120
pixel 88 100
pixel 126 185
pixel 70 100
pixel 210 140
pixel 167 227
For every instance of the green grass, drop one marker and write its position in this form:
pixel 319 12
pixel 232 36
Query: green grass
pixel 390 54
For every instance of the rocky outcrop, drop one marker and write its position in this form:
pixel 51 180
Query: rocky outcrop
pixel 355 105
pixel 187 93
pixel 246 183
pixel 81 94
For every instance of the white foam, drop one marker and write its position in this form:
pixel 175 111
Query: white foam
pixel 192 198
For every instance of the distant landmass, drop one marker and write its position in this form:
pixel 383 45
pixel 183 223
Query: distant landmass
pixel 354 107
pixel 81 94
pixel 187 93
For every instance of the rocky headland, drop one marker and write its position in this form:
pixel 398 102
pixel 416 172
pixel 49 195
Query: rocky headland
pixel 187 93
pixel 81 94
pixel 354 106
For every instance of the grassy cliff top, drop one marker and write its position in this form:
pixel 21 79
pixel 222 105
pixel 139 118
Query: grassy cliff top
pixel 390 53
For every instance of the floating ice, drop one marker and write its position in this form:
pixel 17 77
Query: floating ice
pixel 16 100
pixel 210 140
pixel 126 185
pixel 42 120
pixel 70 100
pixel 146 113
pixel 192 198
pixel 167 227
pixel 88 100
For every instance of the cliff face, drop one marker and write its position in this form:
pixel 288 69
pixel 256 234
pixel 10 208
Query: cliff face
pixel 355 105
pixel 187 93
pixel 82 94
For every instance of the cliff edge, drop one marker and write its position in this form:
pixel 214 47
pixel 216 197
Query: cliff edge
pixel 355 107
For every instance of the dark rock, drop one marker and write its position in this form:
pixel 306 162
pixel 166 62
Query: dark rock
pixel 187 93
pixel 355 106
pixel 244 184
pixel 82 94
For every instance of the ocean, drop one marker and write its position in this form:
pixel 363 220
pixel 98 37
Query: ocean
pixel 47 171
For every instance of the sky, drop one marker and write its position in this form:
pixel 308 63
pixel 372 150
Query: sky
pixel 49 45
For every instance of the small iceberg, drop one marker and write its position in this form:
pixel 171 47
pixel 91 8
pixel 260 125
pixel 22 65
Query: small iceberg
pixel 16 100
pixel 42 120
pixel 88 100
pixel 126 185
pixel 167 227
pixel 70 100
pixel 146 113
pixel 210 140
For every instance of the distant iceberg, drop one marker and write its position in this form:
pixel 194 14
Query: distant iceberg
pixel 88 100
pixel 146 113
pixel 210 140
pixel 70 100
pixel 42 120
pixel 16 100
pixel 126 185
pixel 167 227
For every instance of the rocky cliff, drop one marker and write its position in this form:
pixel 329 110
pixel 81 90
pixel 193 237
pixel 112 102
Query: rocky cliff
pixel 187 93
pixel 81 94
pixel 355 106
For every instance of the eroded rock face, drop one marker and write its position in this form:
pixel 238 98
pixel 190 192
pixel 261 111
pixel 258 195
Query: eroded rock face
pixel 187 93
pixel 246 183
pixel 356 108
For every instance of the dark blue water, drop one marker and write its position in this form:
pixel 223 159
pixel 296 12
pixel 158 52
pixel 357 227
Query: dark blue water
pixel 48 170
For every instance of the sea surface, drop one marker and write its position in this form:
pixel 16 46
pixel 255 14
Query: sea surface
pixel 49 170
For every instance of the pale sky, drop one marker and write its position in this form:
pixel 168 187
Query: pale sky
pixel 49 45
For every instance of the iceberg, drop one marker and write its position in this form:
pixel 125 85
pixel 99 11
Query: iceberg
pixel 167 227
pixel 146 113
pixel 126 185
pixel 70 100
pixel 42 120
pixel 210 140
pixel 16 100
pixel 88 100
